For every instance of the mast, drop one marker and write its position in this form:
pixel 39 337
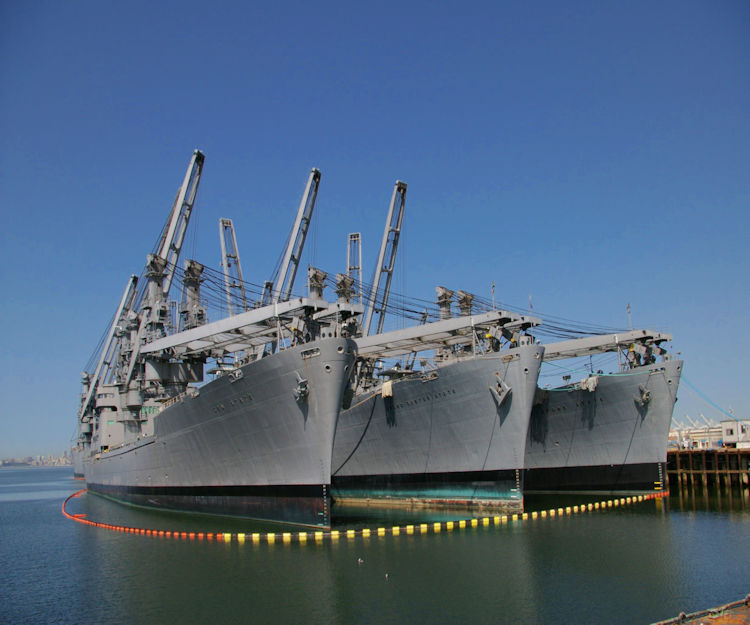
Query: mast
pixel 354 261
pixel 283 287
pixel 378 299
pixel 230 261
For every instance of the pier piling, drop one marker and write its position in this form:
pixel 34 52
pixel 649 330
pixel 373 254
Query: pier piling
pixel 703 468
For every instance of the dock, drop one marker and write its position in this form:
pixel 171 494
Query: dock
pixel 721 467
pixel 735 613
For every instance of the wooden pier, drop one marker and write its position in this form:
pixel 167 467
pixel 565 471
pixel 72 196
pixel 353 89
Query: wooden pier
pixel 709 467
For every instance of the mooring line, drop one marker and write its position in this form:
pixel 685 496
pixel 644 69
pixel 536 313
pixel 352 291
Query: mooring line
pixel 334 535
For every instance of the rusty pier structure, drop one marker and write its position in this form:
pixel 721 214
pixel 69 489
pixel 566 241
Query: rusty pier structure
pixel 720 468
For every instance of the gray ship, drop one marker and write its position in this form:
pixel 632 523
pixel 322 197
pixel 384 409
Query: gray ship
pixel 608 432
pixel 452 435
pixel 256 441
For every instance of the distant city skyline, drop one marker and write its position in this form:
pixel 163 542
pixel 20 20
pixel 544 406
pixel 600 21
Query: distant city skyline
pixel 44 460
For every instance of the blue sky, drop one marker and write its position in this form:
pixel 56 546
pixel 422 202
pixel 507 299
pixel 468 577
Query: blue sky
pixel 588 154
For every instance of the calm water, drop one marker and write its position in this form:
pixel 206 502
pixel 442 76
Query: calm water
pixel 636 564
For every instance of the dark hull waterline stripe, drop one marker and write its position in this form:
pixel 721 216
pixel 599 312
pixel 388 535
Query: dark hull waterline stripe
pixel 608 478
pixel 307 505
pixel 425 479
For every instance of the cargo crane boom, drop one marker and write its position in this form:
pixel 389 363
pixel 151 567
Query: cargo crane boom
pixel 160 267
pixel 282 289
pixel 641 340
pixel 174 236
pixel 230 261
pixel 109 344
pixel 378 299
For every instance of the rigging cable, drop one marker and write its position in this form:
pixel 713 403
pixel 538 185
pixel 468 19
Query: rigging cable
pixel 707 399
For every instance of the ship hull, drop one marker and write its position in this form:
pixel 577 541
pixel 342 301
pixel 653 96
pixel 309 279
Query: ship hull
pixel 448 440
pixel 244 445
pixel 603 441
pixel 76 454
